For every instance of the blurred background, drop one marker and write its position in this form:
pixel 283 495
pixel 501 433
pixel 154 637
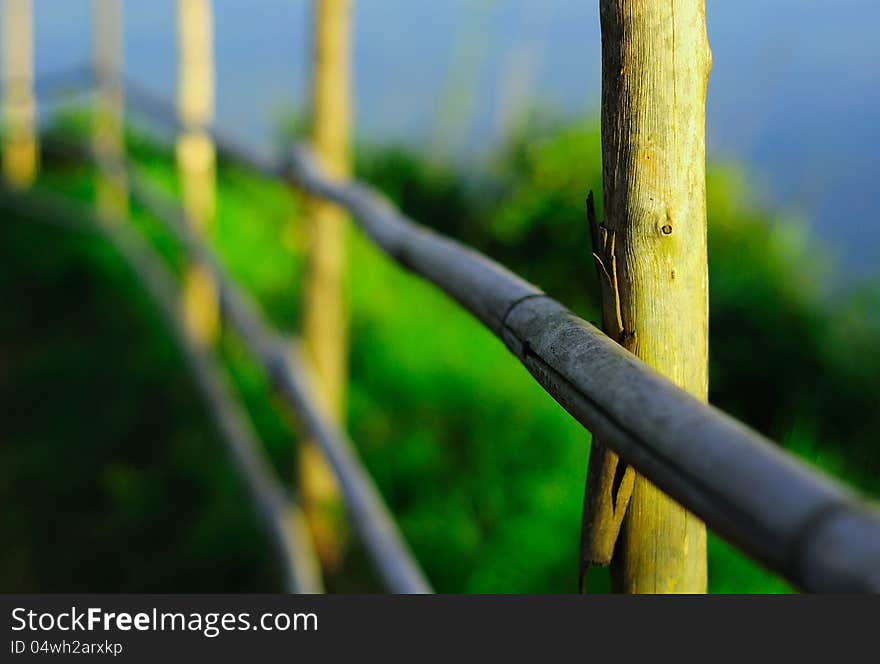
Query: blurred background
pixel 479 118
pixel 794 92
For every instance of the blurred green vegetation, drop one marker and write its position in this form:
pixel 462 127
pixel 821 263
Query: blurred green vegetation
pixel 112 477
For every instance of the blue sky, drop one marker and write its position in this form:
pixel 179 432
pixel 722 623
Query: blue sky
pixel 794 94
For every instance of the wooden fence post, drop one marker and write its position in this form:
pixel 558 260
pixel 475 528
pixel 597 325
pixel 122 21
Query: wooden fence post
pixel 652 247
pixel 108 137
pixel 20 154
pixel 196 159
pixel 325 322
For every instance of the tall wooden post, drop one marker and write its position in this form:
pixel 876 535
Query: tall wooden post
pixel 325 317
pixel 196 160
pixel 20 153
pixel 655 68
pixel 108 137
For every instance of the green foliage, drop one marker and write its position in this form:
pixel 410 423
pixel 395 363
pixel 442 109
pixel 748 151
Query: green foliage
pixel 115 480
pixel 787 356
pixel 110 476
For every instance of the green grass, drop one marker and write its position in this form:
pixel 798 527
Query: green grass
pixel 483 470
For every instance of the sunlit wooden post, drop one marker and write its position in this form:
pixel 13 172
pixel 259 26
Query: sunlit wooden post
pixel 20 153
pixel 651 254
pixel 108 134
pixel 325 317
pixel 196 160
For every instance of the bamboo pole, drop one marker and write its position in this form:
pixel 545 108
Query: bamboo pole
pixel 795 520
pixel 652 250
pixel 325 317
pixel 196 160
pixel 108 132
pixel 281 517
pixel 295 383
pixel 20 152
pixel 457 102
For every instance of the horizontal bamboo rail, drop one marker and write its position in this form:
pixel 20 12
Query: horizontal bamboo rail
pixel 800 523
pixel 382 539
pixel 370 517
pixel 281 516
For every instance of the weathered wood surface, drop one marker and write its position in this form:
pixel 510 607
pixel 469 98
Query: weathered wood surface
pixel 798 522
pixel 610 481
pixel 369 514
pixel 281 517
pixel 655 68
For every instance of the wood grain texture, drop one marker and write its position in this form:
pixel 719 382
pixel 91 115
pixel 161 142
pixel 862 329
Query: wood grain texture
pixel 800 523
pixel 295 382
pixel 610 481
pixel 655 68
pixel 763 500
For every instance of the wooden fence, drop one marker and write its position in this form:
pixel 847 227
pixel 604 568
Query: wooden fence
pixel 800 523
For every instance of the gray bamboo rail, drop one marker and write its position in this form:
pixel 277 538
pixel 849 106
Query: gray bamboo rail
pixel 281 516
pixel 369 514
pixel 800 523
pixel 281 360
pixel 803 525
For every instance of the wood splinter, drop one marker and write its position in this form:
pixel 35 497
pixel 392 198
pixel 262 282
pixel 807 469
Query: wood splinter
pixel 609 481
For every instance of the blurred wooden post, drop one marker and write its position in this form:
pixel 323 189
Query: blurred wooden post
pixel 325 322
pixel 108 137
pixel 196 160
pixel 652 248
pixel 19 106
